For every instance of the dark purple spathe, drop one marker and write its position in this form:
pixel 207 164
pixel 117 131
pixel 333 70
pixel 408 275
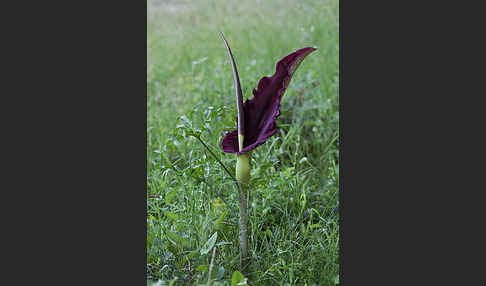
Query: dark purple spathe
pixel 262 110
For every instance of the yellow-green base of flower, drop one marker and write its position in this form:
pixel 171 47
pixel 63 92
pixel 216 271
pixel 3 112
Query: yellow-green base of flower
pixel 243 169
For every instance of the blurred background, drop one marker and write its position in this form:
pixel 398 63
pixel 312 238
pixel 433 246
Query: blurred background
pixel 185 53
pixel 296 174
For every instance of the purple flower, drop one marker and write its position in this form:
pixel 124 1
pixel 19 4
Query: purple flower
pixel 256 117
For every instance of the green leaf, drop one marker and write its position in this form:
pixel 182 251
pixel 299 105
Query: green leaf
pixel 220 273
pixel 170 215
pixel 315 225
pixel 171 283
pixel 209 244
pixel 237 278
pixel 170 196
pixel 175 238
pixel 158 283
pixel 224 243
pixel 336 280
pixel 193 254
pixel 220 220
pixel 202 268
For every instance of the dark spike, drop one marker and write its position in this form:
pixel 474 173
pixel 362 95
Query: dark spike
pixel 239 95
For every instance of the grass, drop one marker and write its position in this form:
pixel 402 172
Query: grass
pixel 293 224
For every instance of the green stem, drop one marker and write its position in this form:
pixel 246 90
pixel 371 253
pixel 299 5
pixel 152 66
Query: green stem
pixel 241 180
pixel 243 177
pixel 243 234
pixel 242 168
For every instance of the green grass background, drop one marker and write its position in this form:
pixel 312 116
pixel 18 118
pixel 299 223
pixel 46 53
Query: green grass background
pixel 293 227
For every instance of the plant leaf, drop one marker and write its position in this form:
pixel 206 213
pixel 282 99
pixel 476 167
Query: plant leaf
pixel 170 196
pixel 336 280
pixel 220 272
pixel 209 244
pixel 220 220
pixel 202 268
pixel 237 278
pixel 170 215
pixel 175 238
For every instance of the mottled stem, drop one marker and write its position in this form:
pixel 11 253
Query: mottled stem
pixel 211 266
pixel 243 234
pixel 242 169
pixel 243 177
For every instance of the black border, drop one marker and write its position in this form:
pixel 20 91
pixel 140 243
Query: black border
pixel 80 146
pixel 407 172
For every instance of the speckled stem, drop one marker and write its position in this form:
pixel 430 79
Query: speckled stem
pixel 242 169
pixel 243 177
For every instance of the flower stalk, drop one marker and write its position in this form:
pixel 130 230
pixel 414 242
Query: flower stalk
pixel 243 177
pixel 256 123
pixel 242 169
